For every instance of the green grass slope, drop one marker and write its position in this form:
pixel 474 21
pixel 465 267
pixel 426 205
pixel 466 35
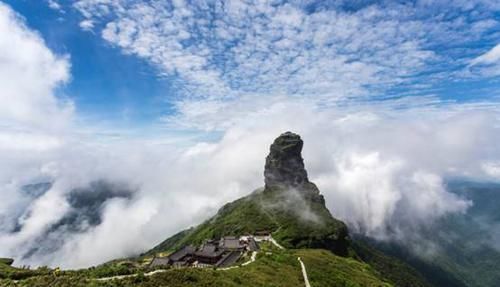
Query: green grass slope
pixel 393 269
pixel 297 220
pixel 8 272
pixel 326 270
pixel 273 268
pixel 297 223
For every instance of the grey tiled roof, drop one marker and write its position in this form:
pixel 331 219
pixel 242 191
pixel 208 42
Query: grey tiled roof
pixel 252 245
pixel 229 259
pixel 159 261
pixel 231 243
pixel 209 250
pixel 181 253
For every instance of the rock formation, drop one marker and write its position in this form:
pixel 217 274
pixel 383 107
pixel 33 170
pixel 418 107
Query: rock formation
pixel 285 169
pixel 290 206
pixel 284 164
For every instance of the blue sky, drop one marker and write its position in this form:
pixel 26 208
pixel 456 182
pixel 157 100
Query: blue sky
pixel 140 63
pixel 105 84
pixel 181 99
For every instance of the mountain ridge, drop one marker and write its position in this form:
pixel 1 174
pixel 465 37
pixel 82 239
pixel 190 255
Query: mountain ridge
pixel 294 210
pixel 289 205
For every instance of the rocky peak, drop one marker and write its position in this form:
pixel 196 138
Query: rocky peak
pixel 284 164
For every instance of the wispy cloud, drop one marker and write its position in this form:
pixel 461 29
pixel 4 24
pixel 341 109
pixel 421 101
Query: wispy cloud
pixel 87 25
pixel 222 51
pixel 488 63
pixel 53 4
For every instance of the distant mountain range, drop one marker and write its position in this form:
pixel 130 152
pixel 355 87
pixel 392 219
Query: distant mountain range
pixel 467 246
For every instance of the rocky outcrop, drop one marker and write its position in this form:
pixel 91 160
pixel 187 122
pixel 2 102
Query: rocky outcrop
pixel 290 206
pixel 284 164
pixel 284 169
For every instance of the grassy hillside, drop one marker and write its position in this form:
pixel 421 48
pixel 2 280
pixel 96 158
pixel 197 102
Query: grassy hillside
pixel 326 270
pixel 13 273
pixel 394 270
pixel 279 269
pixel 296 221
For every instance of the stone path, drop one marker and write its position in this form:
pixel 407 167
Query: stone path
pixel 304 272
pixel 130 275
pixel 276 243
pixel 252 259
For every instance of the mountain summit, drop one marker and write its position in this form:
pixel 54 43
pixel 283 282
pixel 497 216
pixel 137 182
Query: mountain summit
pixel 284 164
pixel 285 170
pixel 257 240
pixel 289 206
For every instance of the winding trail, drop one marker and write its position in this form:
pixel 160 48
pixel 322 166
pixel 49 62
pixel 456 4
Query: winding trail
pixel 252 259
pixel 276 243
pixel 304 272
pixel 130 275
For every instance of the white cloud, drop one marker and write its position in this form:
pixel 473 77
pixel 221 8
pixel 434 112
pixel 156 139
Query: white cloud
pixel 29 75
pixel 87 25
pixel 53 4
pixel 381 171
pixel 492 169
pixel 489 62
pixel 381 166
pixel 263 49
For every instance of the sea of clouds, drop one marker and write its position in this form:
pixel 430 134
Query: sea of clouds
pixel 382 170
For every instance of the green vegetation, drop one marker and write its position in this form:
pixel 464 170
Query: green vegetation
pixel 326 270
pixel 280 268
pixel 6 261
pixel 394 270
pixel 13 273
pixel 300 221
pixel 244 215
pixel 297 222
pixel 25 276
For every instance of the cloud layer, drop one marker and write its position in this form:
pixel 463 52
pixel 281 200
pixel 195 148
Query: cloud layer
pixel 221 53
pixel 249 71
pixel 382 174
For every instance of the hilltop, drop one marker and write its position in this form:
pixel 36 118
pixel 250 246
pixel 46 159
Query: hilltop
pixel 289 208
pixel 294 210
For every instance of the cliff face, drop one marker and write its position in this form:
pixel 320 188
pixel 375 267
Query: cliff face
pixel 285 171
pixel 284 164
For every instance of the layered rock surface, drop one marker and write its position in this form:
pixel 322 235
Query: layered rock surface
pixel 285 170
pixel 284 164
